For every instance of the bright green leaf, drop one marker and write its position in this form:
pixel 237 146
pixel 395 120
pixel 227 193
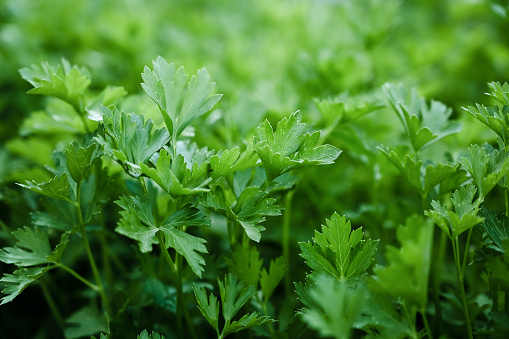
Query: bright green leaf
pixel 487 168
pixel 250 211
pixel 288 147
pixel 339 251
pixel 174 176
pixel 464 216
pixel 423 124
pixel 15 283
pixel 180 101
pixel 31 249
pixel 80 160
pixel 129 139
pixel 496 227
pixel 57 188
pixel 209 308
pixel 65 82
pixel 138 223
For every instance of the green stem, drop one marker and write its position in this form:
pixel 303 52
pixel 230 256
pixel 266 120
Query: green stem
pixel 52 305
pixel 93 265
pixel 165 253
pixel 426 323
pixel 266 312
pixel 181 305
pixel 436 277
pixel 506 300
pixel 506 196
pixel 493 290
pixel 465 254
pixel 286 239
pixel 173 146
pixel 456 252
pixel 143 185
pixel 79 277
pixel 106 259
pixel 232 233
pixel 411 320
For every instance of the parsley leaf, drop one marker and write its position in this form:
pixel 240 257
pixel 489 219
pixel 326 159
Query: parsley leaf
pixel 145 335
pixel 424 124
pixel 173 175
pixel 497 119
pixel 447 176
pixel 32 255
pixel 129 139
pixel 139 223
pixel 80 160
pixel 229 161
pixel 338 307
pixel 251 208
pixel 407 273
pixel 15 283
pixel 288 147
pixel 32 248
pixel 270 280
pixel 245 264
pixel 496 227
pixel 464 216
pixel 487 168
pixel 233 296
pixel 57 188
pixel 339 251
pixel 65 82
pixel 180 101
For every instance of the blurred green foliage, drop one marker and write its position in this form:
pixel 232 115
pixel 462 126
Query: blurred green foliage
pixel 327 58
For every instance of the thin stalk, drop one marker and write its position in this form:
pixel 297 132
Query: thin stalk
pixel 106 259
pixel 165 253
pixel 506 196
pixel 411 320
pixel 173 146
pixel 493 290
pixel 436 277
pixel 506 301
pixel 232 233
pixel 266 312
pixel 181 305
pixel 426 323
pixel 175 270
pixel 328 131
pixel 465 254
pixel 265 184
pixel 143 185
pixel 456 252
pixel 79 277
pixel 93 265
pixel 286 239
pixel 176 267
pixel 52 305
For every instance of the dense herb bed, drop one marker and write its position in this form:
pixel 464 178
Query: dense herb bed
pixel 179 212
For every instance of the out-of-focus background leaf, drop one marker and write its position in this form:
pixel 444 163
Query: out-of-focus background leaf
pixel 269 59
